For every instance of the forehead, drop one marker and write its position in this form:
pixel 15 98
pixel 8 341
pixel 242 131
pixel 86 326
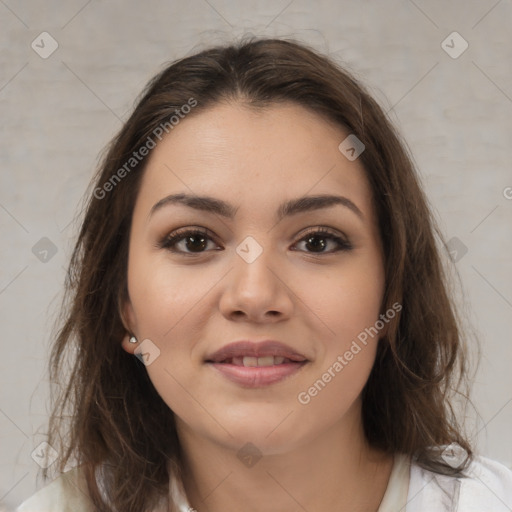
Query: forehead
pixel 254 158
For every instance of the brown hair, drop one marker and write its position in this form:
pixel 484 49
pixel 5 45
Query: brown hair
pixel 113 418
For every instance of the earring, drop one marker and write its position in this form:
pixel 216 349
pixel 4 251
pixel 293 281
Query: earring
pixel 133 339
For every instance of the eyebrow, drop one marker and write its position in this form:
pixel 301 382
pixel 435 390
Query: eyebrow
pixel 286 209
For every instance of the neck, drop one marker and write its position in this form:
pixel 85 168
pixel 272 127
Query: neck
pixel 335 471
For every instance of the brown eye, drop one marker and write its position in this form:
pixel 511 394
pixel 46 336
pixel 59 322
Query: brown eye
pixel 192 241
pixel 317 241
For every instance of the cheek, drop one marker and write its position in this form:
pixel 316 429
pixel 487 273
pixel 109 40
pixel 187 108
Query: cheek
pixel 170 309
pixel 347 301
pixel 335 391
pixel 163 294
pixel 348 305
pixel 350 309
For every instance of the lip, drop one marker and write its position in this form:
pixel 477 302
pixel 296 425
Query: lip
pixel 255 349
pixel 256 376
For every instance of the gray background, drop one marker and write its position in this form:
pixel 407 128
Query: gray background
pixel 59 112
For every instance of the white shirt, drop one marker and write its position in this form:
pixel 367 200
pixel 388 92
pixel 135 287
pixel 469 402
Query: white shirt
pixel 488 488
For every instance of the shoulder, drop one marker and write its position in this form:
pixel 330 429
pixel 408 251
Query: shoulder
pixel 487 486
pixel 67 493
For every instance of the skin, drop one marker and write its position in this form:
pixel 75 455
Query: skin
pixel 189 305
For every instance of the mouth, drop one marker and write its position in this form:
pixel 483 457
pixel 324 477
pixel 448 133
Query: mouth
pixel 248 353
pixel 256 376
pixel 256 365
pixel 252 362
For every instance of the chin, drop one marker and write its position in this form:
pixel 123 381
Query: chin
pixel 270 434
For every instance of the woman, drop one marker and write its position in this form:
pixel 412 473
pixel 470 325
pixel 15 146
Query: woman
pixel 258 315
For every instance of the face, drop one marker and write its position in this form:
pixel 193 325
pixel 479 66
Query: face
pixel 312 278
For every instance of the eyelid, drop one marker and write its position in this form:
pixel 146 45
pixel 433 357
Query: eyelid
pixel 181 233
pixel 325 230
pixel 339 237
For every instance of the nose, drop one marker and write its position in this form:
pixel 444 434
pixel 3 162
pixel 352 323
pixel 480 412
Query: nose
pixel 257 291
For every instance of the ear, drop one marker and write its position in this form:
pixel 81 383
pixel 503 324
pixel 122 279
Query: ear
pixel 128 319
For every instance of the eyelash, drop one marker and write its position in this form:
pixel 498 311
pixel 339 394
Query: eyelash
pixel 169 241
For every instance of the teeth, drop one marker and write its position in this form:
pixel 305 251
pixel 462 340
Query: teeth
pixel 258 361
pixel 265 361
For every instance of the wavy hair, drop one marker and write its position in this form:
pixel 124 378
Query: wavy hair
pixel 108 418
